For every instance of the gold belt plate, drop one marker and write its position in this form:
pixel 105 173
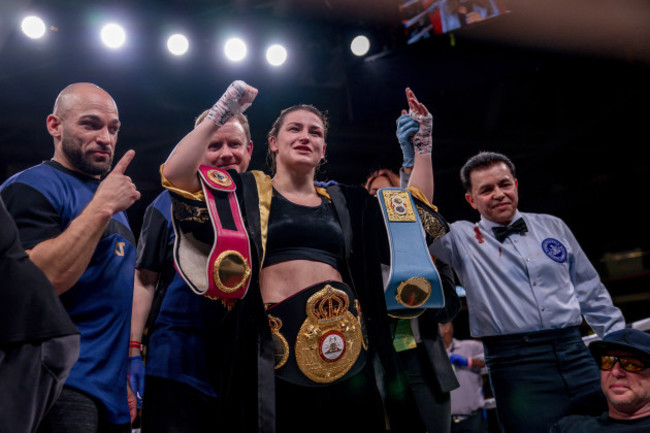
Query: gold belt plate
pixel 398 206
pixel 330 339
pixel 280 345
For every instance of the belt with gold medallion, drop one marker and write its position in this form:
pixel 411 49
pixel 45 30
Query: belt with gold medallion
pixel 318 335
pixel 220 269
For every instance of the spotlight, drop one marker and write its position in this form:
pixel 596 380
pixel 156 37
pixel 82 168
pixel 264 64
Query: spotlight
pixel 235 49
pixel 360 45
pixel 113 35
pixel 33 27
pixel 177 44
pixel 276 55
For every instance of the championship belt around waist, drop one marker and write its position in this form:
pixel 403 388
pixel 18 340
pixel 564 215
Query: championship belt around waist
pixel 221 270
pixel 414 282
pixel 318 339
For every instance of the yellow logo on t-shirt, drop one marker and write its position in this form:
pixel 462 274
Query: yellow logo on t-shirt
pixel 119 248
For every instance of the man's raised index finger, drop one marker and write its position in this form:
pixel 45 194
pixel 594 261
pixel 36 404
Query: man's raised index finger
pixel 123 163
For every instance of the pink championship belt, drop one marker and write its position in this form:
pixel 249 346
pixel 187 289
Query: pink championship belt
pixel 229 260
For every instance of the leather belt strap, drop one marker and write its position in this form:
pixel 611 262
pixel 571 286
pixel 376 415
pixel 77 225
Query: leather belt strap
pixel 414 283
pixel 460 418
pixel 318 335
pixel 224 271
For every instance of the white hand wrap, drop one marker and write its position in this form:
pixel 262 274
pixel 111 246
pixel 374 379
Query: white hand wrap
pixel 422 140
pixel 228 105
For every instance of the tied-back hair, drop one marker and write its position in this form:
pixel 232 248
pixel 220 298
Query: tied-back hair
pixel 275 128
pixel 483 160
pixel 383 172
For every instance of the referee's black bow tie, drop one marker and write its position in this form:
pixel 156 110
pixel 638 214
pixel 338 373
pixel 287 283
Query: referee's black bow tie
pixel 501 233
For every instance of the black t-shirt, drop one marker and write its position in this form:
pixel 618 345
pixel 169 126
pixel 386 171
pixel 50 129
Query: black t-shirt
pixel 600 424
pixel 30 309
pixel 156 240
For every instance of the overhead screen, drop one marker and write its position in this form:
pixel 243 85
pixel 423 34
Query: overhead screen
pixel 421 18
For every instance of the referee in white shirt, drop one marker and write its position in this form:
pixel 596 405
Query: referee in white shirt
pixel 528 286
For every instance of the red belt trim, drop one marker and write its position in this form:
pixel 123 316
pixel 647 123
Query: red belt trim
pixel 219 180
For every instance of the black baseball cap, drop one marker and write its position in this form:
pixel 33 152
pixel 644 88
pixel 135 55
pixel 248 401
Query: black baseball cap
pixel 628 339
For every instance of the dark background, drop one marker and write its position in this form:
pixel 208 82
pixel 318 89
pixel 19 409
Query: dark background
pixel 562 89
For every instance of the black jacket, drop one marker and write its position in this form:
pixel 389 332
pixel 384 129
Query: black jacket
pixel 243 346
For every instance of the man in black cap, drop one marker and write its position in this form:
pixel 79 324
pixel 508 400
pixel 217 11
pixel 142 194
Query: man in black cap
pixel 624 360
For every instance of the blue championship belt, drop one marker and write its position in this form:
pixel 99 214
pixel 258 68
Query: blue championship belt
pixel 414 283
